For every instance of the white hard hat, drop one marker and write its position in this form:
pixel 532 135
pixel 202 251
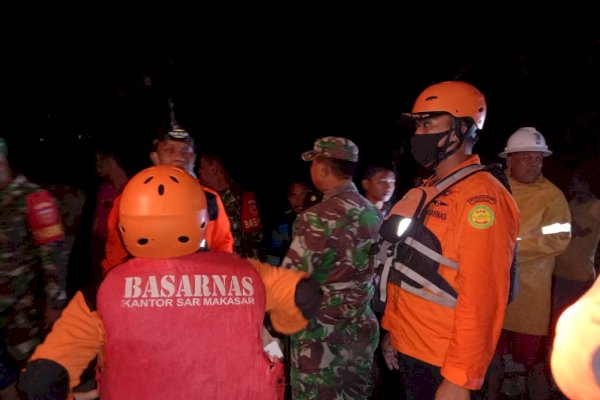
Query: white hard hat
pixel 526 139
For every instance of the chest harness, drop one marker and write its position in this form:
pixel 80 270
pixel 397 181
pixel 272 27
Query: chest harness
pixel 409 254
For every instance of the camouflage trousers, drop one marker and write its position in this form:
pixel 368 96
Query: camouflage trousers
pixel 335 367
pixel 21 327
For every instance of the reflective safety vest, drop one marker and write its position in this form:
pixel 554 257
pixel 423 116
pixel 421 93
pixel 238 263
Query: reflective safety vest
pixel 409 254
pixel 185 328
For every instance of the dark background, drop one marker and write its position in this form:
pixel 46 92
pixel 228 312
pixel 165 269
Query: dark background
pixel 257 86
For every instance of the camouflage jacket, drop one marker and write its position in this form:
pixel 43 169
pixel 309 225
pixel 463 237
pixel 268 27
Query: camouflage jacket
pixel 245 244
pixel 32 263
pixel 331 242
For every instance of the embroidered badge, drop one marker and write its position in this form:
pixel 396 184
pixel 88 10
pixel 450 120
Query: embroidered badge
pixel 481 217
pixel 482 198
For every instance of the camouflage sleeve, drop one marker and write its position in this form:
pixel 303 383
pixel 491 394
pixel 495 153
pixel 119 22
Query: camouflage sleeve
pixel 308 240
pixel 47 229
pixel 54 263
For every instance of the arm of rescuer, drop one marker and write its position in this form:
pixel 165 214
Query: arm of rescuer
pixel 77 337
pixel 292 296
pixel 575 358
pixel 485 240
pixel 218 231
pixel 538 245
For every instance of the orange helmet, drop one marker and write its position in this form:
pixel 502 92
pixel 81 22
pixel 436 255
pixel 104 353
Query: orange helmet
pixel 459 99
pixel 163 213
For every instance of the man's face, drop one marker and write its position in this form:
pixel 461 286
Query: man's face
pixel 434 136
pixel 103 165
pixel 176 153
pixel 380 187
pixel 317 172
pixel 207 172
pixel 578 185
pixel 296 196
pixel 525 166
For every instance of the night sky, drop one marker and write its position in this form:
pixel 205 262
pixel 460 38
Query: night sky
pixel 281 81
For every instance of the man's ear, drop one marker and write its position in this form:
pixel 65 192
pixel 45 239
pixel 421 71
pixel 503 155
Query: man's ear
pixel 365 184
pixel 323 169
pixel 154 158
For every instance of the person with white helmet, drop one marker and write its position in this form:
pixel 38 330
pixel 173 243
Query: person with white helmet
pixel 175 322
pixel 449 283
pixel 543 235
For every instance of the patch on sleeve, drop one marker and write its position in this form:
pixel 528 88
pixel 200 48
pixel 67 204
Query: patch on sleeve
pixel 44 218
pixel 481 217
pixel 482 198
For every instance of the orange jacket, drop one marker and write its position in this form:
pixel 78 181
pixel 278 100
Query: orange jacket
pixel 218 234
pixel 476 222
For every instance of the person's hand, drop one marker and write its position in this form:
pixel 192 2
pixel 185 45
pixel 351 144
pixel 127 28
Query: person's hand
pixel 390 355
pixel 449 391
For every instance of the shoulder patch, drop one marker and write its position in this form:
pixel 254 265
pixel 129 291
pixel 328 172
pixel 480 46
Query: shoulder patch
pixel 481 217
pixel 482 198
pixel 44 218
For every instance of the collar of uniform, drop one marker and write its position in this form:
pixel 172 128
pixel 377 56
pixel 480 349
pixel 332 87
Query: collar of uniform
pixel 344 187
pixel 432 180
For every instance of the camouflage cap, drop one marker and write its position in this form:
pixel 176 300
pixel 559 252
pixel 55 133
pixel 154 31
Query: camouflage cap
pixel 333 147
pixel 3 146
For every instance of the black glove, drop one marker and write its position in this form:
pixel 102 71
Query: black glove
pixel 44 380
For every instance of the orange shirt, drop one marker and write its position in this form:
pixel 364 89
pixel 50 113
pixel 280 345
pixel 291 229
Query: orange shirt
pixel 218 234
pixel 476 222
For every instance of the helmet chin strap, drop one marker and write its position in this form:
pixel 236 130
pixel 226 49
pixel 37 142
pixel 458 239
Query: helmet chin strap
pixel 443 152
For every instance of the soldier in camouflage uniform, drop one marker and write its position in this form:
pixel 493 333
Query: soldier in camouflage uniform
pixel 240 206
pixel 32 265
pixel 331 358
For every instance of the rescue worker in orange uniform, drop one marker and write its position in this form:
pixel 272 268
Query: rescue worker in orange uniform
pixel 444 317
pixel 173 322
pixel 176 148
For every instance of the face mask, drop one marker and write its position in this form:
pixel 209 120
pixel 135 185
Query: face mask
pixel 424 147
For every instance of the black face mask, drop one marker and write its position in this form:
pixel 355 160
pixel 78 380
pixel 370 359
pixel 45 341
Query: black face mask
pixel 425 150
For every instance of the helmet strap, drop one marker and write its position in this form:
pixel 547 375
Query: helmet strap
pixel 443 152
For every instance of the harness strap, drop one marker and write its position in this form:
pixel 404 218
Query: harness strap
pixel 426 251
pixel 433 292
pixel 429 291
pixel 384 276
pixel 458 175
